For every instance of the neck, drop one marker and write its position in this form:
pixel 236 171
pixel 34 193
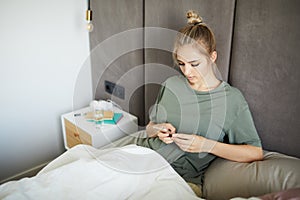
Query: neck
pixel 207 84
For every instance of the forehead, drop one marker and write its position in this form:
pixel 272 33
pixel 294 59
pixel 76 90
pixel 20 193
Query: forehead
pixel 189 53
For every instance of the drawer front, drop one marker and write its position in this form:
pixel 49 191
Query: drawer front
pixel 75 135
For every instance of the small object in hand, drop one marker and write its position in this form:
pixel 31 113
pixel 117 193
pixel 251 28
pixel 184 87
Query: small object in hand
pixel 163 129
pixel 167 131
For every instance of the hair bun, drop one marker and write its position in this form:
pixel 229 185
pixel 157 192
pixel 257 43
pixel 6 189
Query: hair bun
pixel 193 18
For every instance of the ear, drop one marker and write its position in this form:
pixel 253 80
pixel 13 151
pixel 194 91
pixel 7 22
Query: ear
pixel 213 56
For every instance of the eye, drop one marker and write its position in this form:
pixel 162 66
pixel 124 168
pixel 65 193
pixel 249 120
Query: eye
pixel 180 63
pixel 195 65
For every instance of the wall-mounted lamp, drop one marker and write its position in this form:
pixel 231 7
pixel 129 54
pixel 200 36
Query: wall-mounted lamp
pixel 89 12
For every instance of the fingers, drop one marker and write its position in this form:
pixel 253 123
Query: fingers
pixel 183 136
pixel 165 127
pixel 152 129
pixel 168 140
pixel 184 141
pixel 163 136
pixel 164 132
pixel 170 128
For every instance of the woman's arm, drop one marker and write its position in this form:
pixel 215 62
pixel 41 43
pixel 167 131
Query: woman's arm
pixel 151 132
pixel 238 153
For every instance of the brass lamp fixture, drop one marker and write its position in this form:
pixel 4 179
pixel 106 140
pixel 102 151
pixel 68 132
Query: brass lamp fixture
pixel 89 13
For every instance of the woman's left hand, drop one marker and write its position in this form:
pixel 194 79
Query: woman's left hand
pixel 192 143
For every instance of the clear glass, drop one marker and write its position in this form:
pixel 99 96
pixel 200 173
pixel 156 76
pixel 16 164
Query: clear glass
pixel 98 117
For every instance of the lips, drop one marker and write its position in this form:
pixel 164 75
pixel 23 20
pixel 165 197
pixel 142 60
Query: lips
pixel 190 77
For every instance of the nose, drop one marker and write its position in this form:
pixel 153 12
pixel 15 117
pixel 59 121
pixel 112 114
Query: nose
pixel 187 69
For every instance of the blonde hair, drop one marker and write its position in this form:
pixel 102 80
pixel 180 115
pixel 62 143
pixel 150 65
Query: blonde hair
pixel 196 32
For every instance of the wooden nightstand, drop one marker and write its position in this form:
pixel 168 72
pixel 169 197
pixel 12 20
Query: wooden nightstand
pixel 78 130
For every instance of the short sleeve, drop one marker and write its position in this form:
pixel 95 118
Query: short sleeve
pixel 242 129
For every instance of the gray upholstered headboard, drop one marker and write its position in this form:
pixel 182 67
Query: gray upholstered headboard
pixel 265 65
pixel 257 43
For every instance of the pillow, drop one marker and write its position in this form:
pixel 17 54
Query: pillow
pixel 226 179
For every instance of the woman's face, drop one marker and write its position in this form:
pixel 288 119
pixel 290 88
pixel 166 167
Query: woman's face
pixel 194 64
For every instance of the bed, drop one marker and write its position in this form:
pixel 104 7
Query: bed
pixel 84 172
pixel 123 170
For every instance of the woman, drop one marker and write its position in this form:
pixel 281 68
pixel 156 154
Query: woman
pixel 198 116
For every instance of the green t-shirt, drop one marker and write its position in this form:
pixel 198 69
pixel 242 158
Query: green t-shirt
pixel 221 114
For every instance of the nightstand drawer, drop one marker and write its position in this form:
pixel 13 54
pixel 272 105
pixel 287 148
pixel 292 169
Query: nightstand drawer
pixel 75 135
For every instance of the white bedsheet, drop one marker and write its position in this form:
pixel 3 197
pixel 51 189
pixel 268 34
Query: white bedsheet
pixel 83 172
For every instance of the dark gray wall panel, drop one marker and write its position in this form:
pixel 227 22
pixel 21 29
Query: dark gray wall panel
pixel 116 51
pixel 265 66
pixel 170 14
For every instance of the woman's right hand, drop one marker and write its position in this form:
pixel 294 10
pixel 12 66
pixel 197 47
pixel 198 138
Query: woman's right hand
pixel 163 131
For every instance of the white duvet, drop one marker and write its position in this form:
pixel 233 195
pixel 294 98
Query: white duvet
pixel 83 172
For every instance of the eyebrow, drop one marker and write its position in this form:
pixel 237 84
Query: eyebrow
pixel 189 61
